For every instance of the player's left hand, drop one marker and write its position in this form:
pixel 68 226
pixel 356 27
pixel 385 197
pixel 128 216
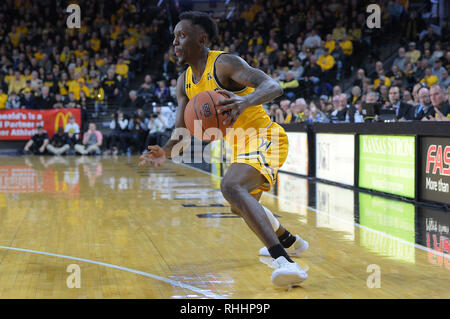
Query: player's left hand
pixel 234 103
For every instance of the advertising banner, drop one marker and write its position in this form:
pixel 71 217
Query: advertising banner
pixel 389 226
pixel 387 164
pixel 335 157
pixel 297 159
pixel 435 169
pixel 22 124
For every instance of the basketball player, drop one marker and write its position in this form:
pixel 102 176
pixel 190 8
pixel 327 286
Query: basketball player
pixel 254 165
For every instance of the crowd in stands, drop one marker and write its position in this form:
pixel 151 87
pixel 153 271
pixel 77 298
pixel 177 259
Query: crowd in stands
pixel 45 65
pixel 310 47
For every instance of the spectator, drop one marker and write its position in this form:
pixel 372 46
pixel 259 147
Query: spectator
pixel 413 52
pixel 111 85
pixel 290 86
pixel 155 127
pixel 429 79
pixel 425 108
pixel 13 102
pixel 168 68
pixel 445 79
pixel 147 89
pixel 38 142
pixel 72 127
pixel 27 100
pixel 440 102
pixel 92 141
pixel 98 94
pixel 162 92
pixel 339 112
pixel 400 59
pixel 59 144
pixel 45 101
pixel 119 127
pixel 402 109
pixel 133 101
pixel 437 69
pixel 17 83
pixel 3 98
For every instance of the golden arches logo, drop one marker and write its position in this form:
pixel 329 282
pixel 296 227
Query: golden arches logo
pixel 64 117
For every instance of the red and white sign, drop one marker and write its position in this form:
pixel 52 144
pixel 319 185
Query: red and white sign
pixel 22 124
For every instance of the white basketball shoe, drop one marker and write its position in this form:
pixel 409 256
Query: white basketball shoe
pixel 298 247
pixel 287 274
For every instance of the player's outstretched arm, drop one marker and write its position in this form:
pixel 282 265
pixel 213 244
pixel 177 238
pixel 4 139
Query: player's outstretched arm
pixel 234 71
pixel 157 155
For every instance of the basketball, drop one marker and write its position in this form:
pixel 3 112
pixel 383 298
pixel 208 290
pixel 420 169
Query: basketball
pixel 203 108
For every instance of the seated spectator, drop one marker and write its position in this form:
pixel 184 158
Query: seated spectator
pixel 112 86
pixel 72 127
pixel 147 89
pixel 168 68
pixel 162 92
pixel 71 102
pixel 290 86
pixel 437 69
pixel 38 143
pixel 355 95
pixel 440 102
pixel 414 53
pixel 17 83
pixel 445 79
pixel 13 102
pixel 400 59
pixel 138 126
pixel 382 79
pixel 45 101
pixel 326 62
pixel 424 108
pixel 3 98
pixel 350 109
pixel 92 141
pixel 173 90
pixel 402 109
pixel 155 128
pixel 370 107
pixel 27 100
pixel 58 144
pixel 98 94
pixel 313 40
pixel 429 79
pixel 119 127
pixel 133 101
pixel 339 112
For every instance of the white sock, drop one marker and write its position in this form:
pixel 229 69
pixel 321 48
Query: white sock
pixel 273 221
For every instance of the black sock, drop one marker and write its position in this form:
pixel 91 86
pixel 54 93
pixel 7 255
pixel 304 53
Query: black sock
pixel 278 251
pixel 287 239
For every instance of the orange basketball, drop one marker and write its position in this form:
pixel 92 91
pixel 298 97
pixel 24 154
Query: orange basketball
pixel 201 116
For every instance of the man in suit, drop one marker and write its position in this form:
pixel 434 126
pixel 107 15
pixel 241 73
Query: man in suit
pixel 402 109
pixel 425 108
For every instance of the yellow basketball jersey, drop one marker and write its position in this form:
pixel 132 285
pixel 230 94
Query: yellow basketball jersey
pixel 252 117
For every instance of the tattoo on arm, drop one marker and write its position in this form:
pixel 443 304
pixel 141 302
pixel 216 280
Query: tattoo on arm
pixel 266 89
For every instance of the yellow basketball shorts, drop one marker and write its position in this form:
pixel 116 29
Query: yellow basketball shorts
pixel 265 149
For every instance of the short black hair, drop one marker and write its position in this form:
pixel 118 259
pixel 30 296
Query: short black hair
pixel 203 20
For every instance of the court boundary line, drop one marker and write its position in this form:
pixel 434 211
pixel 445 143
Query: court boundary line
pixel 130 270
pixel 421 247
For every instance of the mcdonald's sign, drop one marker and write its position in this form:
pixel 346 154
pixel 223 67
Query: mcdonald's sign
pixel 22 124
pixel 64 117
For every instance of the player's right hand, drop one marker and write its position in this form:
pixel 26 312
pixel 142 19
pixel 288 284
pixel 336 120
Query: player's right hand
pixel 155 156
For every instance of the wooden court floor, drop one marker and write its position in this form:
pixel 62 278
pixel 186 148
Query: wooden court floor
pixel 122 231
